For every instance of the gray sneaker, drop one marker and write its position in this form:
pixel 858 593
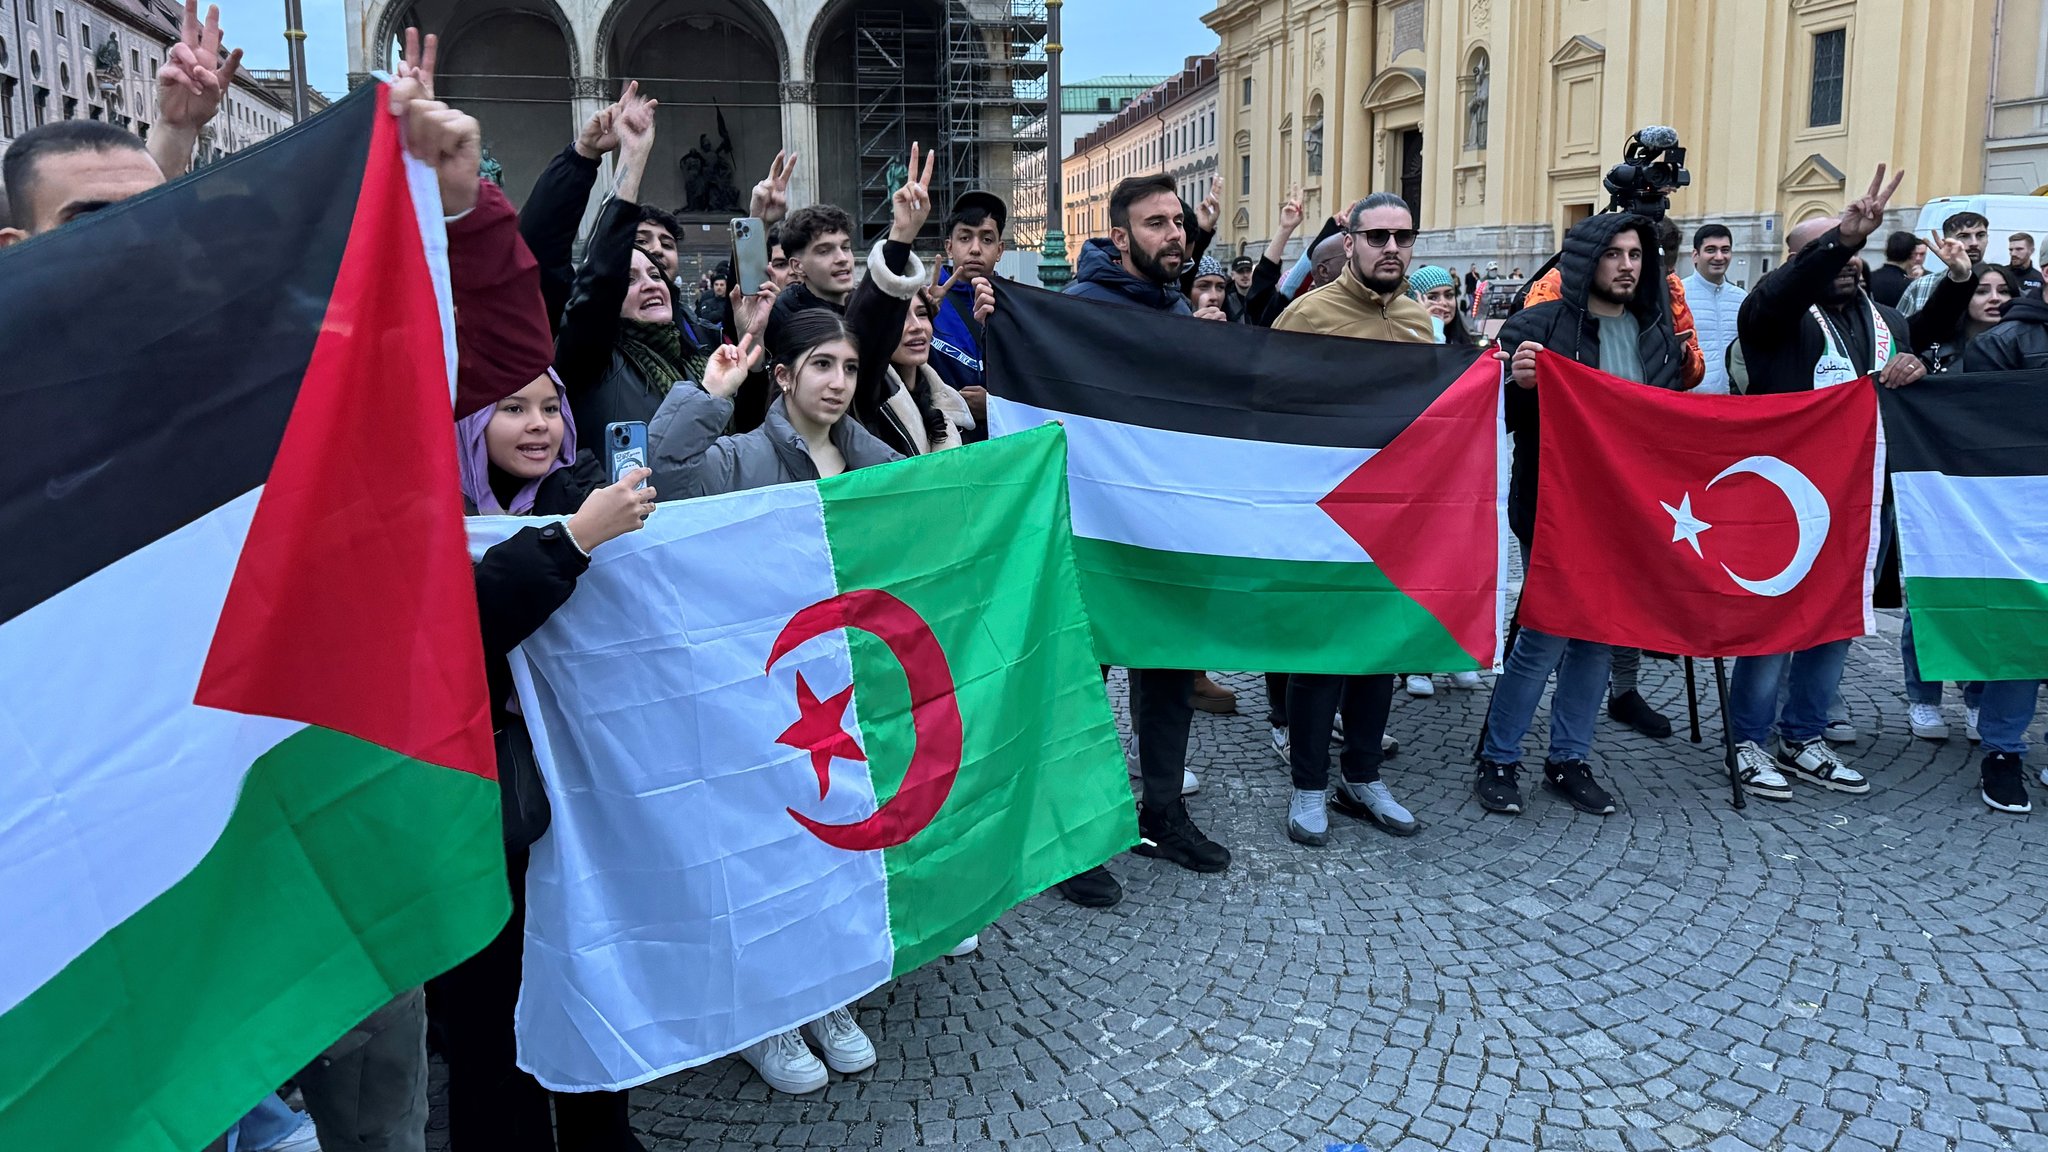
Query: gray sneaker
pixel 1374 802
pixel 1308 818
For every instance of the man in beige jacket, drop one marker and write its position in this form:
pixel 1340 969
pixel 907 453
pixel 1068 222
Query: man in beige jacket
pixel 1368 301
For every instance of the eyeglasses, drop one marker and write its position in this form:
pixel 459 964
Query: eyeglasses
pixel 1378 237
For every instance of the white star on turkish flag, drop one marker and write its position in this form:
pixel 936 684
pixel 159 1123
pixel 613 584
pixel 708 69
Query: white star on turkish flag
pixel 1685 526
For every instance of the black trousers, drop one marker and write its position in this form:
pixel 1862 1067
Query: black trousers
pixel 1276 699
pixel 493 1106
pixel 1313 703
pixel 1161 715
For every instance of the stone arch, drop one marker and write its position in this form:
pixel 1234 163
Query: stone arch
pixel 514 65
pixel 863 119
pixel 718 67
pixel 1393 87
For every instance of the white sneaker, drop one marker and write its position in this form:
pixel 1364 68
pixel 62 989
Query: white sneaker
pixel 841 1042
pixel 1927 722
pixel 966 947
pixel 1759 773
pixel 1839 732
pixel 1464 679
pixel 1816 763
pixel 1420 685
pixel 1189 782
pixel 1280 743
pixel 1970 725
pixel 787 1066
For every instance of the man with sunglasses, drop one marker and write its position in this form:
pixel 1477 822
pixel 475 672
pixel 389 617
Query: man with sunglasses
pixel 1610 315
pixel 1367 299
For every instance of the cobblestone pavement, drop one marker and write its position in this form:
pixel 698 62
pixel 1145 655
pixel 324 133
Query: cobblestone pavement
pixel 1834 972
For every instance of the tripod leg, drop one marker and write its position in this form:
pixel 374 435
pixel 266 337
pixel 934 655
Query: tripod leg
pixel 1692 700
pixel 1728 734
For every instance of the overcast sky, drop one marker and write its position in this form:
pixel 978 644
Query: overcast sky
pixel 1101 36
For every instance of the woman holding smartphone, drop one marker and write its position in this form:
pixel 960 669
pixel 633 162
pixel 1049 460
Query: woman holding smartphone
pixel 518 456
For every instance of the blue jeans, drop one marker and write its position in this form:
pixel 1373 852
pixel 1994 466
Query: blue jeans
pixel 1919 691
pixel 1581 668
pixel 1753 693
pixel 266 1126
pixel 2005 712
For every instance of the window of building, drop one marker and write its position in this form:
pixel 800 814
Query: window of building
pixel 85 33
pixel 64 77
pixel 1824 103
pixel 135 60
pixel 1247 101
pixel 59 14
pixel 6 106
pixel 1244 175
pixel 30 11
pixel 35 64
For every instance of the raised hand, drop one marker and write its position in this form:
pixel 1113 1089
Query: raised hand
pixel 1291 210
pixel 984 299
pixel 1210 209
pixel 751 312
pixel 445 139
pixel 600 134
pixel 912 203
pixel 770 201
pixel 1952 253
pixel 417 63
pixel 634 122
pixel 728 367
pixel 195 76
pixel 1862 217
pixel 614 510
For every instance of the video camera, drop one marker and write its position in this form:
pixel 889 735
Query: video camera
pixel 1652 166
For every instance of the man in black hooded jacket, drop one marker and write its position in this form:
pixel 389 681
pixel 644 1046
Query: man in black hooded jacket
pixel 1606 320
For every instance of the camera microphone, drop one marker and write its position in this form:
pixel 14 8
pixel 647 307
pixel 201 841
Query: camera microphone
pixel 1658 137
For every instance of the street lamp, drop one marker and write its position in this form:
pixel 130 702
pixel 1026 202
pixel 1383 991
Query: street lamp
pixel 1052 255
pixel 295 40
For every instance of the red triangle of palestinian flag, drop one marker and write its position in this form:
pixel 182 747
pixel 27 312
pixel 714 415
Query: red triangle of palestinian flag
pixel 1245 499
pixel 251 792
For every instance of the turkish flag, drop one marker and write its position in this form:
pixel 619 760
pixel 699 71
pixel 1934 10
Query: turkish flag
pixel 1703 525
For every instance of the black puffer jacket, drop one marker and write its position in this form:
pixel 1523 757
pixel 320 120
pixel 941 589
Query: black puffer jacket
pixel 1565 326
pixel 2020 340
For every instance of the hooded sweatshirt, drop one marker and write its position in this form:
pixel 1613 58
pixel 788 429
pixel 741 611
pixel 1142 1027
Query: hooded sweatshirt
pixel 1102 276
pixel 1566 326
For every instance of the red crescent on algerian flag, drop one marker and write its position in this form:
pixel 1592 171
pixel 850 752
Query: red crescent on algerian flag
pixel 934 713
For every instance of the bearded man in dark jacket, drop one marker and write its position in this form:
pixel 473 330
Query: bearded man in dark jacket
pixel 1605 318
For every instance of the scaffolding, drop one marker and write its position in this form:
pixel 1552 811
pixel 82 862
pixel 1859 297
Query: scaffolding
pixel 995 75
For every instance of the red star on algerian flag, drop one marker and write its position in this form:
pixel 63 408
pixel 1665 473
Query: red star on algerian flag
pixel 820 729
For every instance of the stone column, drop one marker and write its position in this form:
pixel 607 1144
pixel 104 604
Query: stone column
pixel 800 132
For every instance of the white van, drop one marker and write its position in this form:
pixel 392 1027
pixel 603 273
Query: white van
pixel 2008 214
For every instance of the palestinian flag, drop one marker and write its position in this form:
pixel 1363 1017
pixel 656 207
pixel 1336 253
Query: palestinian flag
pixel 801 740
pixel 1969 462
pixel 249 790
pixel 1253 500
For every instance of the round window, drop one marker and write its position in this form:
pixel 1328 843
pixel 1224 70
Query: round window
pixel 64 74
pixel 35 64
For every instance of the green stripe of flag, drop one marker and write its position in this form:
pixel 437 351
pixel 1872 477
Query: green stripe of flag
pixel 1285 615
pixel 1041 793
pixel 346 874
pixel 1979 629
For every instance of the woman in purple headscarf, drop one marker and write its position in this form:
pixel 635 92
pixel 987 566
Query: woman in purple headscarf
pixel 518 456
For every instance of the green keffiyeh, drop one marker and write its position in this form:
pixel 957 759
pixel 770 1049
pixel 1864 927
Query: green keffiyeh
pixel 656 352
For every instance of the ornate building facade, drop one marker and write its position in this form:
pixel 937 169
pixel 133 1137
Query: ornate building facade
pixel 1499 120
pixel 1170 127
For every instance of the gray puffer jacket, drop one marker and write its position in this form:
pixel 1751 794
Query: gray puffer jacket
pixel 690 458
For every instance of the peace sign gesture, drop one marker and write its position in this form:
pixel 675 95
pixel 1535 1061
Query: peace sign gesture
pixel 195 77
pixel 417 63
pixel 1952 253
pixel 1291 210
pixel 1210 210
pixel 770 202
pixel 1862 217
pixel 912 203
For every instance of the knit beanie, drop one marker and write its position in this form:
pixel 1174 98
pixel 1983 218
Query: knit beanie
pixel 1210 266
pixel 1424 278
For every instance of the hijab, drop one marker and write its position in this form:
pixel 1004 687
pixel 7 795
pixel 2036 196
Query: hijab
pixel 473 458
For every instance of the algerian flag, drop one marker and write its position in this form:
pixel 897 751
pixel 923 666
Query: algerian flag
pixel 798 741
pixel 248 791
pixel 1969 461
pixel 1266 501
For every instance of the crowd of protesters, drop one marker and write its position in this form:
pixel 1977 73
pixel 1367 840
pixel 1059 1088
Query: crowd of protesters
pixel 845 359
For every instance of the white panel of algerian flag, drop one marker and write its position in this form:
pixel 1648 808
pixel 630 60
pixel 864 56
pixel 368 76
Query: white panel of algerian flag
pixel 742 927
pixel 1185 492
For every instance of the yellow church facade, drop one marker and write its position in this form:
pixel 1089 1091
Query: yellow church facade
pixel 1498 119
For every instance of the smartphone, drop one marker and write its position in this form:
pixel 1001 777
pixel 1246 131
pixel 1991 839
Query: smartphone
pixel 750 254
pixel 625 448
